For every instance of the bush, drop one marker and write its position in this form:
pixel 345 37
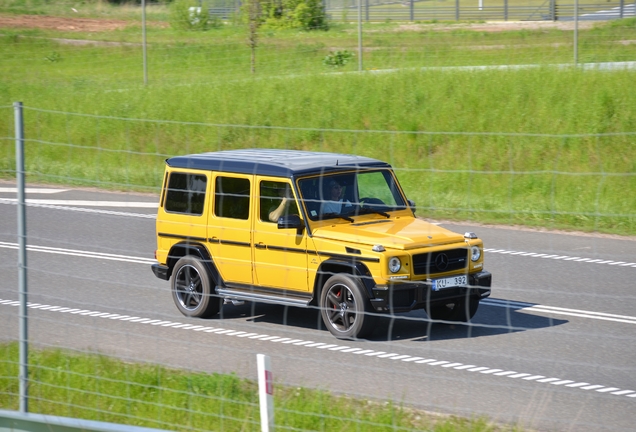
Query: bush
pixel 337 59
pixel 188 15
pixel 305 14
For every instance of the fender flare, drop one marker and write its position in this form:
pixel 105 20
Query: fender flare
pixel 181 249
pixel 338 265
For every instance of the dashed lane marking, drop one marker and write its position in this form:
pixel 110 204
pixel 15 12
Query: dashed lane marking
pixel 561 257
pixel 602 389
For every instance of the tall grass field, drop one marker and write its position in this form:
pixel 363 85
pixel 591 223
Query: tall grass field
pixel 532 144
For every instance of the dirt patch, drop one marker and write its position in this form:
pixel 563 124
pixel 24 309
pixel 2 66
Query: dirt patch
pixel 67 24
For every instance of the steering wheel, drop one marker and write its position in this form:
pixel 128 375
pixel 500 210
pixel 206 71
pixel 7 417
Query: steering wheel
pixel 371 203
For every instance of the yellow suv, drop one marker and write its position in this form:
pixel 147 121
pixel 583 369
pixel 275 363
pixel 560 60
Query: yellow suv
pixel 309 229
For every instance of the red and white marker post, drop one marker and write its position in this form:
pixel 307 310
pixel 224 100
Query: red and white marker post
pixel 265 392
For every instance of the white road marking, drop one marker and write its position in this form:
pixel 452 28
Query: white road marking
pixel 562 257
pixel 85 203
pixel 489 301
pixel 80 253
pixel 348 350
pixel 77 206
pixel 31 190
pixel 559 311
pixel 81 209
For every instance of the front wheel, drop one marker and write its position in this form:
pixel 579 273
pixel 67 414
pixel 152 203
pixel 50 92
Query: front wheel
pixel 461 310
pixel 192 289
pixel 345 308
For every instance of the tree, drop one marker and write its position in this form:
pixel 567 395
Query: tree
pixel 254 17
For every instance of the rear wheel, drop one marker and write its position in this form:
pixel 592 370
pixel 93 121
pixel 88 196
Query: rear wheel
pixel 192 289
pixel 345 308
pixel 461 310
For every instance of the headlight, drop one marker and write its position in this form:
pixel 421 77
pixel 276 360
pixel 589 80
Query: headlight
pixel 394 265
pixel 475 253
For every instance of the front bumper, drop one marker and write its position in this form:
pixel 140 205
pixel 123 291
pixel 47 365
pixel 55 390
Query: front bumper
pixel 407 296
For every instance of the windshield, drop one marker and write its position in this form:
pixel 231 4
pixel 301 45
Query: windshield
pixel 343 195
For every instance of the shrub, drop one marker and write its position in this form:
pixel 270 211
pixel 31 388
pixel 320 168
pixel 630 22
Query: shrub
pixel 305 14
pixel 188 15
pixel 337 59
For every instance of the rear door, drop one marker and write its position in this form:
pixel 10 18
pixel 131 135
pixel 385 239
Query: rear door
pixel 229 230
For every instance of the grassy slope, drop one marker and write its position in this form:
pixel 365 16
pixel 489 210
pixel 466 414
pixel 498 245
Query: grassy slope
pixel 540 146
pixel 99 388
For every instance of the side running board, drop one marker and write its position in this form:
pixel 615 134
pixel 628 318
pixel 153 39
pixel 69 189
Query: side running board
pixel 287 298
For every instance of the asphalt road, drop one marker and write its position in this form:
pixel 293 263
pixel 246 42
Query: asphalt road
pixel 553 349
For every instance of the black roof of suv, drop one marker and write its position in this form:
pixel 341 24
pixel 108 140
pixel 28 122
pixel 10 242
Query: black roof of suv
pixel 283 163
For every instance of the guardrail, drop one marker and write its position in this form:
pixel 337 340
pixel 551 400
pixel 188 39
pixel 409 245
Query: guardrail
pixel 15 421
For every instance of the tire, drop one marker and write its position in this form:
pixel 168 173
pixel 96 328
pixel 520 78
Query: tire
pixel 345 308
pixel 192 289
pixel 462 310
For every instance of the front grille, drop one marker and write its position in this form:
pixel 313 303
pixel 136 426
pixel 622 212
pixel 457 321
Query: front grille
pixel 440 261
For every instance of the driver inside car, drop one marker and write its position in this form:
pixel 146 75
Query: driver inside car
pixel 335 204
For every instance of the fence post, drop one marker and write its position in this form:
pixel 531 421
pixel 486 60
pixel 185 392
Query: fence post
pixel 576 32
pixel 456 10
pixel 143 37
pixel 23 374
pixel 412 10
pixel 359 35
pixel 553 10
pixel 265 392
pixel 505 10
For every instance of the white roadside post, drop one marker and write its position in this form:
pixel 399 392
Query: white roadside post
pixel 265 392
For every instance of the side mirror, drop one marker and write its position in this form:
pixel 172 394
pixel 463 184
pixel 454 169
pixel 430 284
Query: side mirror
pixel 412 205
pixel 291 221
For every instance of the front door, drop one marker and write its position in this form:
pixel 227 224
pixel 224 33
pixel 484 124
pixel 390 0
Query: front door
pixel 280 255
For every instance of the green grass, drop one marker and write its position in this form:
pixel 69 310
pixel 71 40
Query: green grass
pixel 541 147
pixel 95 387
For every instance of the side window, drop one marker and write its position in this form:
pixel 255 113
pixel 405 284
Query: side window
pixel 232 198
pixel 186 193
pixel 276 200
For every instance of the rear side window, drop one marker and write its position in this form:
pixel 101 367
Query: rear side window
pixel 186 193
pixel 232 198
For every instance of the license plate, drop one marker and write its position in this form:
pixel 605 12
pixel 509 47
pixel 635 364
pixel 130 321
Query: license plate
pixel 450 282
